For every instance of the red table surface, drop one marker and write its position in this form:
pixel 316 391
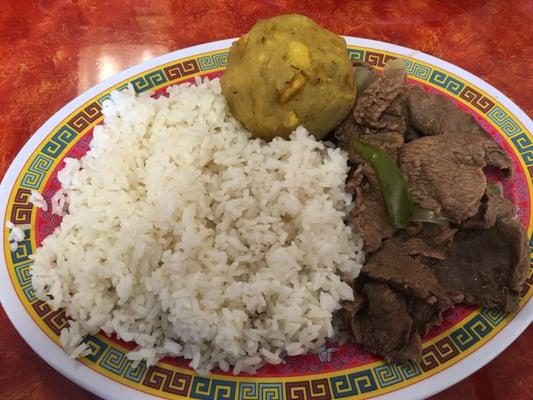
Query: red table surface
pixel 51 51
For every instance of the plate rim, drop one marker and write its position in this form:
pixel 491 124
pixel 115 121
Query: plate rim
pixel 107 388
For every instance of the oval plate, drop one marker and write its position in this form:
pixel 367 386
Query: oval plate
pixel 468 338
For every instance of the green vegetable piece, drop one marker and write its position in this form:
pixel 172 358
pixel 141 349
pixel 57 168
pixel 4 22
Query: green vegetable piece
pixel 392 182
pixel 495 188
pixel 420 214
pixel 364 77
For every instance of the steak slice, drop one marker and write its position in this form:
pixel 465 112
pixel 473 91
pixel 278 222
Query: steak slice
pixel 369 215
pixel 373 103
pixel 487 267
pixel 398 298
pixel 493 207
pixel 379 115
pixel 393 265
pixel 445 173
pixel 431 114
pixel 382 323
pixel 433 241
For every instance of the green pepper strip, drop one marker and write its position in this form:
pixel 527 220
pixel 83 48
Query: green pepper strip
pixel 420 214
pixel 495 189
pixel 393 185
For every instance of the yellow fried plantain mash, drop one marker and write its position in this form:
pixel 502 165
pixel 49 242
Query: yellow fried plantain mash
pixel 289 71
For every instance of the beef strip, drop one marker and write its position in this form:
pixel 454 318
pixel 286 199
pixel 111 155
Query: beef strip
pixel 398 298
pixel 369 215
pixel 390 141
pixel 382 323
pixel 424 314
pixel 345 133
pixel 378 113
pixel 432 241
pixel 373 103
pixel 393 265
pixel 493 207
pixel 377 119
pixel 379 116
pixel 497 157
pixel 487 267
pixel 432 114
pixel 445 173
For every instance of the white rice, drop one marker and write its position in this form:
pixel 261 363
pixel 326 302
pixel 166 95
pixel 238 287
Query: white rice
pixel 16 234
pixel 38 200
pixel 58 200
pixel 191 239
